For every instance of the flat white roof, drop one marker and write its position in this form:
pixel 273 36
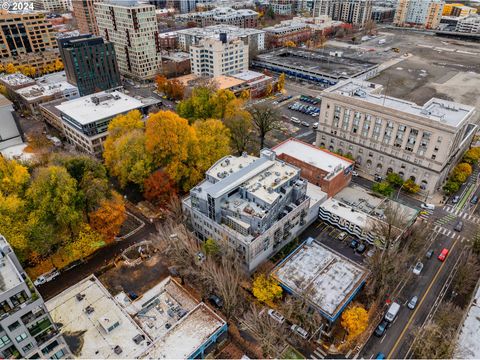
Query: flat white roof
pixel 187 335
pixel 85 111
pixel 444 111
pixel 248 75
pixel 9 276
pixel 468 346
pixel 37 91
pixel 345 212
pixel 312 155
pixel 16 79
pixel 95 341
pixel 315 194
pixel 327 279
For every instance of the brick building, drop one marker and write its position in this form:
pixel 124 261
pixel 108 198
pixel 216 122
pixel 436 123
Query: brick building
pixel 286 31
pixel 318 166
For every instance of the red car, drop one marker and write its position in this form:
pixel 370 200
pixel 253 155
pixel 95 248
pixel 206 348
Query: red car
pixel 443 255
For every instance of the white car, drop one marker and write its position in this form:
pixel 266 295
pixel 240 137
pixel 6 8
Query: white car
pixel 276 316
pixel 354 173
pixel 427 206
pixel 418 268
pixel 299 331
pixel 295 120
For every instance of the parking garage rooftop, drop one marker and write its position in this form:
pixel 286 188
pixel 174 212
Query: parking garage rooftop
pixel 325 278
pixel 331 63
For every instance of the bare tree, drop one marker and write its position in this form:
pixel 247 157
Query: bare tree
pixel 370 27
pixel 298 310
pixel 467 275
pixel 270 334
pixel 265 119
pixel 433 342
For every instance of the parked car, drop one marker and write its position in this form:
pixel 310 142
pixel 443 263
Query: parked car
pixel 418 268
pixel 48 276
pixel 354 173
pixel 371 252
pixel 443 254
pixel 361 248
pixel 392 312
pixel 216 300
pixel 455 199
pixel 342 235
pixel 304 123
pixel 459 226
pixel 429 254
pixel 354 244
pixel 275 315
pixel 299 331
pixel 315 125
pixel 412 303
pixel 380 356
pixel 295 120
pixel 427 206
pixel 381 328
pixel 474 199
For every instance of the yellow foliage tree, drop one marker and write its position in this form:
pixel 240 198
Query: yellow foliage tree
pixel 281 82
pixel 269 90
pixel 266 289
pixel 214 139
pixel 13 176
pixel 173 145
pixel 58 65
pixel 109 217
pixel 87 242
pixel 355 321
pixel 290 43
pixel 2 68
pixel 245 95
pixel 10 68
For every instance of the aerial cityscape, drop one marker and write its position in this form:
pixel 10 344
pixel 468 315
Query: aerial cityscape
pixel 240 179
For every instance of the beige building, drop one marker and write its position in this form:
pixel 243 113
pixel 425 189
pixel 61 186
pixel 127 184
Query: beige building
pixel 419 13
pixel 462 11
pixel 385 134
pixel 27 39
pixel 356 12
pixel 52 6
pixel 212 57
pixel 133 30
pixel 84 12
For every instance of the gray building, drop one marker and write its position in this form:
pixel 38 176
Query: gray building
pixel 356 12
pixel 26 328
pixel 9 133
pixel 386 134
pixel 256 204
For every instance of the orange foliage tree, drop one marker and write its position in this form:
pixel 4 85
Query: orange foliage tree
pixel 109 217
pixel 159 188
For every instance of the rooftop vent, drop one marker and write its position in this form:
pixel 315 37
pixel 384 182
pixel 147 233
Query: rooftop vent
pixel 117 350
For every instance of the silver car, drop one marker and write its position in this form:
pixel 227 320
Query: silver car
pixel 412 303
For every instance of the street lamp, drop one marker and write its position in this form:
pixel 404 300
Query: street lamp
pixel 398 193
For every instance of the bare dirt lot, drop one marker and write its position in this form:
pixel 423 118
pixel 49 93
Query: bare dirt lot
pixel 439 67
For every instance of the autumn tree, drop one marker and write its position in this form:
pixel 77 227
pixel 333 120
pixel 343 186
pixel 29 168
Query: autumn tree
pixel 161 83
pixel 395 179
pixel 461 172
pixel 383 188
pixel 53 201
pixel 173 146
pixel 266 289
pixel 265 119
pixel 354 320
pixel 245 95
pixel 109 217
pixel 10 68
pixel 269 89
pixel 125 155
pixel 159 188
pixel 14 177
pixel 281 82
pixel 411 186
pixel 467 275
pixel 58 65
pixel 84 244
pixel 472 155
pixel 214 138
pixel 13 223
pixel 239 121
pixel 200 105
pixel 289 43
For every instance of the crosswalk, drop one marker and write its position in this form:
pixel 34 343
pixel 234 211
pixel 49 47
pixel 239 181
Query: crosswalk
pixel 450 233
pixel 424 214
pixel 319 354
pixel 462 214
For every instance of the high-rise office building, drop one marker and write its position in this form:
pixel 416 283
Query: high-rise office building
pixel 27 39
pixel 419 13
pixel 90 63
pixel 26 329
pixel 51 6
pixel 133 30
pixel 84 13
pixel 356 12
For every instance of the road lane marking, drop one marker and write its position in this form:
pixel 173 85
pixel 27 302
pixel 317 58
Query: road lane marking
pixel 410 320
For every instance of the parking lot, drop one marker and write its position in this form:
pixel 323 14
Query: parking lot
pixel 331 236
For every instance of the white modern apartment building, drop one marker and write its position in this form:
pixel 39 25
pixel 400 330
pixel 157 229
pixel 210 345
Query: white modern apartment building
pixel 245 18
pixel 356 12
pixel 256 204
pixel 212 57
pixel 469 24
pixel 85 120
pixel 385 134
pixel 255 38
pixel 133 29
pixel 419 13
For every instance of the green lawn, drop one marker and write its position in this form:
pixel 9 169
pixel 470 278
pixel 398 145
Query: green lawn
pixel 291 353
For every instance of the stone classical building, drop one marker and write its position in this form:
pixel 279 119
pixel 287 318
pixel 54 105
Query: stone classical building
pixel 385 134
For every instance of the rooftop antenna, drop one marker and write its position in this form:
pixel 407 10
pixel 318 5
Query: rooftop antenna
pixel 386 88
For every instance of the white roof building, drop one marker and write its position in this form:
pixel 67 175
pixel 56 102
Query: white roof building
pixel 468 346
pixel 327 280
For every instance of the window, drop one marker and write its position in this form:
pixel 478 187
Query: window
pixel 4 307
pixel 4 340
pixel 27 347
pixel 21 337
pixel 13 326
